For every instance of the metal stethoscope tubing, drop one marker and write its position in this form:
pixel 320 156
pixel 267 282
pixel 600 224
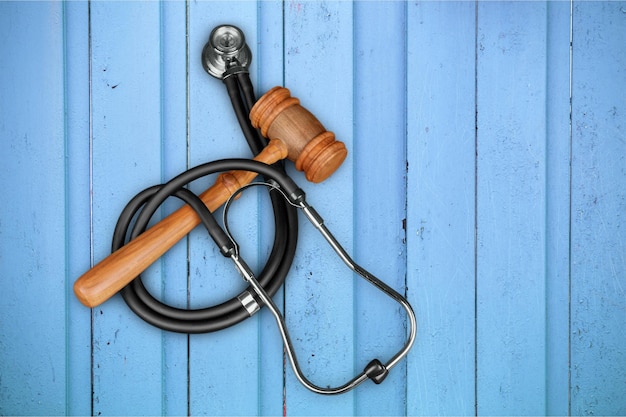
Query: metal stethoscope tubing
pixel 318 222
pixel 375 370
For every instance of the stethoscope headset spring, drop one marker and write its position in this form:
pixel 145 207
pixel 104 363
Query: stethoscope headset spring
pixel 286 199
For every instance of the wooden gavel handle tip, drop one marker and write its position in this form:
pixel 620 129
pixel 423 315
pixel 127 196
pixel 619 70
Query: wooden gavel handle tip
pixel 81 296
pixel 90 296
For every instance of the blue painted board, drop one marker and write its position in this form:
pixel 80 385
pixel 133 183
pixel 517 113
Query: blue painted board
pixel 78 239
pixel 511 208
pixel 379 198
pixel 172 282
pixel 126 145
pixel 34 348
pixel 45 130
pixel 598 267
pixel 269 73
pixel 319 293
pixel 225 376
pixel 558 142
pixel 441 206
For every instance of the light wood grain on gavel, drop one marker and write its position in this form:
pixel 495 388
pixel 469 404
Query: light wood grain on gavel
pixel 295 133
pixel 313 149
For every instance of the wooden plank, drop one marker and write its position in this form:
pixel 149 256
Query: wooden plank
pixel 319 291
pixel 174 288
pixel 126 126
pixel 269 73
pixel 225 365
pixel 441 206
pixel 598 277
pixel 558 142
pixel 511 208
pixel 379 197
pixel 33 348
pixel 78 213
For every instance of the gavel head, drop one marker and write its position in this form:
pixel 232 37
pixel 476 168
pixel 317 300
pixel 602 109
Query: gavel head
pixel 311 147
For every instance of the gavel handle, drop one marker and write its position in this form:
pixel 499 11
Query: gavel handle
pixel 118 269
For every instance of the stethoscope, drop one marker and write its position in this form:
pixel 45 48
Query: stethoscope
pixel 227 57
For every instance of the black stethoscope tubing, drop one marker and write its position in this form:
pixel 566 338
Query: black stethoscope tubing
pixel 145 204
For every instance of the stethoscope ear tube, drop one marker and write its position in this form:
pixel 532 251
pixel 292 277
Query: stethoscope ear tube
pixel 145 204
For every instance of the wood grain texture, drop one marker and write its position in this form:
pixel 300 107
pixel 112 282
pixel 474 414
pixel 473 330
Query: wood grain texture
pixel 311 147
pixel 379 234
pixel 126 93
pixel 440 196
pixel 269 73
pixel 558 157
pixel 598 269
pixel 225 368
pixel 78 239
pixel 319 293
pixel 511 166
pixel 33 216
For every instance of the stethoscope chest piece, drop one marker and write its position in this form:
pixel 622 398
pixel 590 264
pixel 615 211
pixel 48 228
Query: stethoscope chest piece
pixel 225 48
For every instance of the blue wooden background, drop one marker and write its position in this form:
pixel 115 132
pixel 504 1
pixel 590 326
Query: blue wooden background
pixel 486 179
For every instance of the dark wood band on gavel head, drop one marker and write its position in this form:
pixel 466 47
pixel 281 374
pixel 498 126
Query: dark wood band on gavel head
pixel 313 149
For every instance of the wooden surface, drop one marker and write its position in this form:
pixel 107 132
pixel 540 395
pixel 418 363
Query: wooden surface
pixel 485 178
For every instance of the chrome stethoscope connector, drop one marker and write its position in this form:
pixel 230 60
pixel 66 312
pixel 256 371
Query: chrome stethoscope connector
pixel 226 52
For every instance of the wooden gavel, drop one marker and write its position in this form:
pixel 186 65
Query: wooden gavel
pixel 295 134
